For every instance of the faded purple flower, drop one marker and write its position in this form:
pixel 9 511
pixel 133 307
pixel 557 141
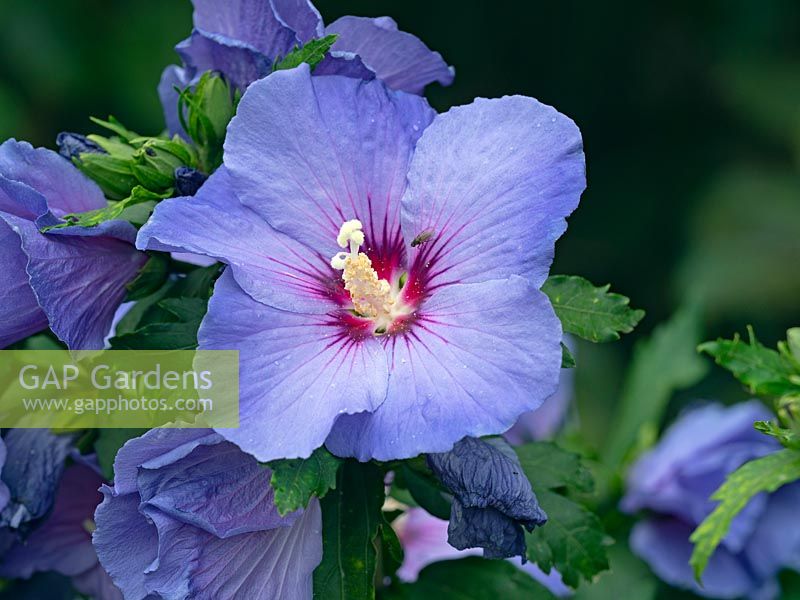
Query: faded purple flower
pixel 440 330
pixel 424 541
pixel 72 279
pixel 63 541
pixel 243 38
pixel 192 516
pixel 47 511
pixel 675 480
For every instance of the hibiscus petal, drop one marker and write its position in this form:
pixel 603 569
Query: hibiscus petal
pixel 253 22
pixel 79 282
pixel 96 583
pixel 65 188
pixel 268 564
pixel 346 64
pixel 218 488
pixel 775 543
pixel 301 16
pixel 155 449
pixel 298 372
pixel 241 63
pixel 712 436
pixel 310 153
pixel 173 77
pixel 21 200
pixel 20 314
pixel 664 544
pixel 492 182
pixel 32 471
pixel 125 542
pixel 398 58
pixel 478 356
pixel 63 542
pixel 276 563
pixel 271 267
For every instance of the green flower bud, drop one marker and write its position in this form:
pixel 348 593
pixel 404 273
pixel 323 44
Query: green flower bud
pixel 127 159
pixel 205 113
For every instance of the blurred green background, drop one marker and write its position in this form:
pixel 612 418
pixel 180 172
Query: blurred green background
pixel 690 114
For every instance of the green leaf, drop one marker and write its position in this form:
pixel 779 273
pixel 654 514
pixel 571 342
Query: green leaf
pixel 663 363
pixel 550 467
pixel 169 318
pixel 567 360
pixel 108 443
pixel 793 342
pixel 765 474
pixel 590 312
pixel 787 437
pixel 114 211
pixel 765 372
pixel 150 278
pixel 391 551
pixel 205 110
pixel 312 53
pixel 296 480
pixel 113 125
pixel 351 516
pixel 470 578
pixel 573 540
pixel 129 160
pixel 114 175
pixel 425 490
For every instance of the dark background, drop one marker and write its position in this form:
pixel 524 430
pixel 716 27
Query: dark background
pixel 690 113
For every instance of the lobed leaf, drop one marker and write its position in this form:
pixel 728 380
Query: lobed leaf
pixel 765 474
pixel 295 481
pixel 573 539
pixel 313 52
pixel 590 312
pixel 765 372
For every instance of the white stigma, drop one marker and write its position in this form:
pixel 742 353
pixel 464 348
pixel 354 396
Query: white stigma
pixel 371 296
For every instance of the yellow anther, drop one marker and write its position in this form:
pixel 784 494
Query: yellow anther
pixel 371 296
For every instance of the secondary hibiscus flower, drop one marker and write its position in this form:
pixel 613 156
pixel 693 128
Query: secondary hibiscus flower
pixel 243 38
pixel 192 516
pixel 430 326
pixel 73 278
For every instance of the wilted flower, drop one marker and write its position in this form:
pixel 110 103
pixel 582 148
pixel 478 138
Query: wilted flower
pixel 675 481
pixel 243 38
pixel 492 498
pixel 424 541
pixel 72 278
pixel 192 516
pixel 400 345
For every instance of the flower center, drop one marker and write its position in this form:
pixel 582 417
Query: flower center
pixel 373 298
